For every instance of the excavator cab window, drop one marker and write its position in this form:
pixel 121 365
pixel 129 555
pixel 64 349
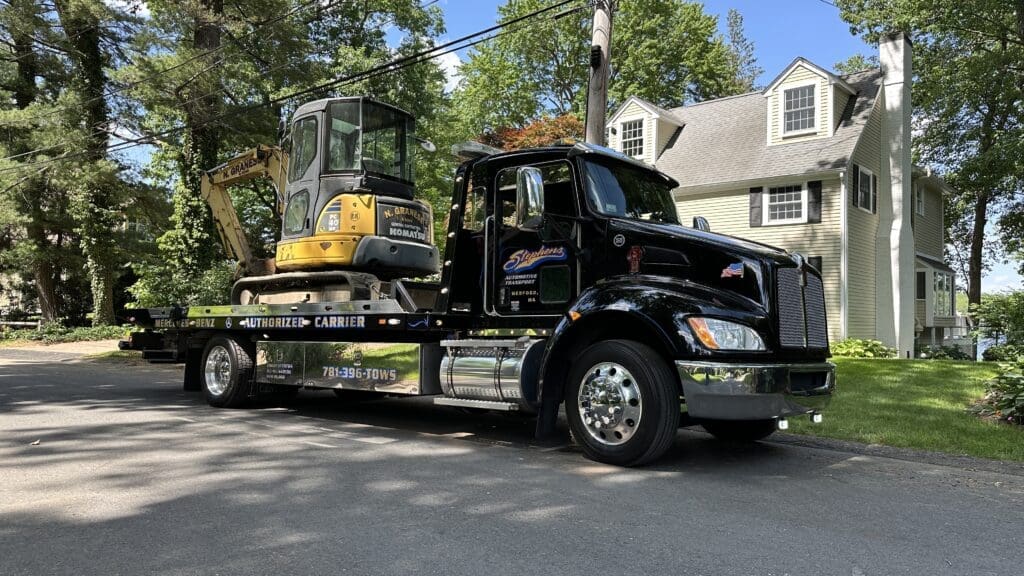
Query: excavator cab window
pixel 303 148
pixel 343 144
pixel 370 137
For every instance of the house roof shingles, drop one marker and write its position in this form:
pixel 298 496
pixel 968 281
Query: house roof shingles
pixel 724 140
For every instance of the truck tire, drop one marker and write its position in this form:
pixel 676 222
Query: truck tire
pixel 740 430
pixel 622 403
pixel 226 372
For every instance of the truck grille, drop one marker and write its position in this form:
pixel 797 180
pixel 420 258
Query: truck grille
pixel 802 322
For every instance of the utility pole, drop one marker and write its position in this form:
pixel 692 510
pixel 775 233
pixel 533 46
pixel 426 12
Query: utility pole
pixel 600 70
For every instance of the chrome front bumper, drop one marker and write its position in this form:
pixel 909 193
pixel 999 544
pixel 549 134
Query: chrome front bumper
pixel 726 391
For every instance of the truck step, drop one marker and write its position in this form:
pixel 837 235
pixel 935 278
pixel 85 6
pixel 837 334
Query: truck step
pixel 482 404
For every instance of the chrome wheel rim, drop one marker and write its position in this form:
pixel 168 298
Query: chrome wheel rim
pixel 609 403
pixel 218 370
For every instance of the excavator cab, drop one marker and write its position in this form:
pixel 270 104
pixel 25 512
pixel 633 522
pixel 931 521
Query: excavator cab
pixel 348 198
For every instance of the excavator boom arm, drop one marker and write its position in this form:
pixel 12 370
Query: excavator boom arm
pixel 259 162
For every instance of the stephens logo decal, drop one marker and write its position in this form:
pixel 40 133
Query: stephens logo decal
pixel 523 260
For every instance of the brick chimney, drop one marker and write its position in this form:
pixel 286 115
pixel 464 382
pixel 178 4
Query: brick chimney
pixel 895 238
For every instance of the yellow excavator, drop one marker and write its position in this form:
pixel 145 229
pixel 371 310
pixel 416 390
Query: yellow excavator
pixel 345 183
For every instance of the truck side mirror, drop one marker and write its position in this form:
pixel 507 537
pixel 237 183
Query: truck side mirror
pixel 701 223
pixel 529 198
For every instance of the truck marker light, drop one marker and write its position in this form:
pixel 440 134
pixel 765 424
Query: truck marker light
pixel 633 256
pixel 574 315
pixel 307 323
pixel 394 321
pixel 381 321
pixel 700 329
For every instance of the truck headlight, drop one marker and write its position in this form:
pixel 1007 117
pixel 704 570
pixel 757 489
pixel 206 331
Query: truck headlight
pixel 724 335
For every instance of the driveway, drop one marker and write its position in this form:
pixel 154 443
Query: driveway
pixel 110 468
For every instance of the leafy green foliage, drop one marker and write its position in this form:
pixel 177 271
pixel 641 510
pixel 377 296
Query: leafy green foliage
pixel 164 284
pixel 937 352
pixel 1001 317
pixel 856 63
pixel 857 348
pixel 1004 399
pixel 1002 353
pixel 55 332
pixel 665 51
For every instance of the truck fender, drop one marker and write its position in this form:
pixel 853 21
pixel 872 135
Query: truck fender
pixel 631 312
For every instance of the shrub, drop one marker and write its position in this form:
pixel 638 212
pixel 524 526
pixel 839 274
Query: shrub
pixel 943 353
pixel 1005 397
pixel 1002 353
pixel 55 332
pixel 857 348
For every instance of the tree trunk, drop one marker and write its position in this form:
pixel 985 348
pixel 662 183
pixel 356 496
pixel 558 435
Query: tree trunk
pixel 197 246
pixel 98 213
pixel 33 189
pixel 974 266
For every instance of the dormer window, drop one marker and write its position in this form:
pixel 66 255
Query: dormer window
pixel 633 138
pixel 799 109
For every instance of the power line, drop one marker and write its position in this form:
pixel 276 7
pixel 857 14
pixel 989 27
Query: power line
pixel 385 68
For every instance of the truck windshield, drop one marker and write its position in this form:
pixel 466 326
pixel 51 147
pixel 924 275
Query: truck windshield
pixel 367 136
pixel 629 192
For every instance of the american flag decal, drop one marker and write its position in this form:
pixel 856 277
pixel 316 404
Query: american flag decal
pixel 733 271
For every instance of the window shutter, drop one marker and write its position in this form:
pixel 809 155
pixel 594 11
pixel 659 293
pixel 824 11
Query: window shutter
pixel 920 287
pixel 755 206
pixel 815 262
pixel 855 188
pixel 874 194
pixel 814 202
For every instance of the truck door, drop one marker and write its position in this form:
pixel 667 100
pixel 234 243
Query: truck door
pixel 534 272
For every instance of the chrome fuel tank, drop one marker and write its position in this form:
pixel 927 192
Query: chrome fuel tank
pixel 501 370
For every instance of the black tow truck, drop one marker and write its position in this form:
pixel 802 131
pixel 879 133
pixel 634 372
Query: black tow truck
pixel 567 279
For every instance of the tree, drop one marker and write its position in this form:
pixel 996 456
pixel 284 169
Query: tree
pixel 969 62
pixel 666 51
pixel 741 52
pixel 544 131
pixel 856 63
pixel 1001 317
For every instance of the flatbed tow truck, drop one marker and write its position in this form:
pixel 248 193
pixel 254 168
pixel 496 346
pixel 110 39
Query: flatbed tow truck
pixel 566 279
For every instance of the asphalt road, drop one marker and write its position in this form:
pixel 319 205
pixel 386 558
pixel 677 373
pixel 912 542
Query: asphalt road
pixel 112 469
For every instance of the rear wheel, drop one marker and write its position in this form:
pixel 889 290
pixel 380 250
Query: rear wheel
pixel 622 403
pixel 226 372
pixel 740 430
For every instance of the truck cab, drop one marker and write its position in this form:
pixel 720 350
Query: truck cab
pixel 583 246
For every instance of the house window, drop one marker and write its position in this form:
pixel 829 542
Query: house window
pixel 633 138
pixel 943 297
pixel 919 200
pixel 799 109
pixel 864 195
pixel 786 205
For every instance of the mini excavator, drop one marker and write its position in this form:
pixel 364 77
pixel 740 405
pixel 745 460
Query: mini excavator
pixel 345 183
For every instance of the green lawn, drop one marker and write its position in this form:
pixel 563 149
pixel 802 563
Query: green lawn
pixel 914 404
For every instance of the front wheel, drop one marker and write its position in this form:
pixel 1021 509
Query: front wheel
pixel 622 403
pixel 226 373
pixel 740 430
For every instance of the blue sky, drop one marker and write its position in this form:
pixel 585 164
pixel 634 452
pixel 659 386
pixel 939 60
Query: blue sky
pixel 781 30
